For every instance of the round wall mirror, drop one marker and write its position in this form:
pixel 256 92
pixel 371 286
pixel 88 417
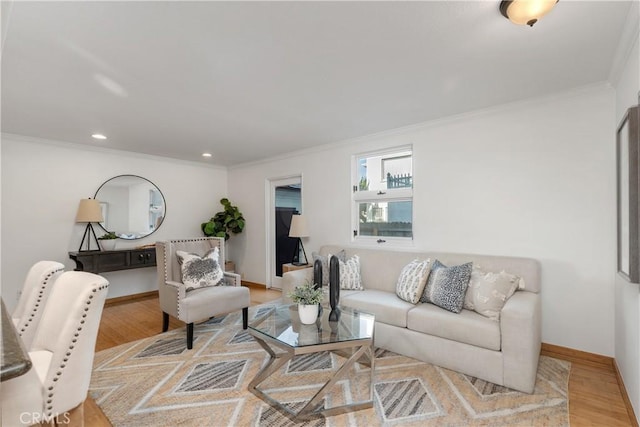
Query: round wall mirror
pixel 132 206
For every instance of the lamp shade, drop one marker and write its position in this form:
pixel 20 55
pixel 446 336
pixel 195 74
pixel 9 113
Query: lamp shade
pixel 89 211
pixel 526 12
pixel 298 226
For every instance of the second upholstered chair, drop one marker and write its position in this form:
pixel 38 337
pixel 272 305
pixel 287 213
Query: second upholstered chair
pixel 193 285
pixel 61 353
pixel 35 292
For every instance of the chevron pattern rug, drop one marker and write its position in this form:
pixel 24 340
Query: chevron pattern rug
pixel 156 381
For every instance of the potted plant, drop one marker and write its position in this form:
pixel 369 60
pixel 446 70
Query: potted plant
pixel 307 297
pixel 228 220
pixel 108 241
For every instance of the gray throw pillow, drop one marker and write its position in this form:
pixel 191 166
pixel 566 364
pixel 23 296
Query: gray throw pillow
pixel 199 272
pixel 447 286
pixel 342 256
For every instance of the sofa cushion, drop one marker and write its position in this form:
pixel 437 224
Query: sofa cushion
pixel 386 306
pixel 412 280
pixel 488 292
pixel 199 272
pixel 447 286
pixel 467 326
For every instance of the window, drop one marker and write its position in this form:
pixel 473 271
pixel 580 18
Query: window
pixel 383 195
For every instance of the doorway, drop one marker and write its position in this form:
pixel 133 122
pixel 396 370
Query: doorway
pixel 286 201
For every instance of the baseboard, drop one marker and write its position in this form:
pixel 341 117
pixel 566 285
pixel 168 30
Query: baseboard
pixel 577 356
pixel 625 396
pixel 129 298
pixel 254 284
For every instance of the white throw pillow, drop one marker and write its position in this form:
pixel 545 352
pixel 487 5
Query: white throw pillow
pixel 199 272
pixel 488 292
pixel 412 280
pixel 350 274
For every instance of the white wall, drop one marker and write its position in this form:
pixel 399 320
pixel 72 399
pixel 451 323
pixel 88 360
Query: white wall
pixel 43 182
pixel 533 179
pixel 627 295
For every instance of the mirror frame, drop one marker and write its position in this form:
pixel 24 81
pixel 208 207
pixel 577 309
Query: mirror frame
pixel 164 200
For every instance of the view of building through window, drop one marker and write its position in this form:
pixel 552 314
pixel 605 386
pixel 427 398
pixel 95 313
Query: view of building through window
pixel 383 194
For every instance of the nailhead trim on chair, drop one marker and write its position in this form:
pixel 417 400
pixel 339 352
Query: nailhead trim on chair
pixel 43 286
pixel 68 353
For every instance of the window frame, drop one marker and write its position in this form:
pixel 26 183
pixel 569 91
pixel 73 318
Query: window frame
pixel 380 196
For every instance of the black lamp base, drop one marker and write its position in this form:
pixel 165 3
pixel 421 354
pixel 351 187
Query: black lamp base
pixel 296 255
pixel 88 232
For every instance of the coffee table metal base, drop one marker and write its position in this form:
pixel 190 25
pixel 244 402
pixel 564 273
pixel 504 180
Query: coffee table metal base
pixel 363 348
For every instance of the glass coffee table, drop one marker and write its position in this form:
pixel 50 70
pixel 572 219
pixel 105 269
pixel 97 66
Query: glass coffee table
pixel 281 334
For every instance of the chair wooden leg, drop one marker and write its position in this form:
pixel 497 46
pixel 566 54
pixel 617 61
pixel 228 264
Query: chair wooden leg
pixel 245 318
pixel 165 322
pixel 189 336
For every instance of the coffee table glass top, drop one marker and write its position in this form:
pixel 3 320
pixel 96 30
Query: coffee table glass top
pixel 282 323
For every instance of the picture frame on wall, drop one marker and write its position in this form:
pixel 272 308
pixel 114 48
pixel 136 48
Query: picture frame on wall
pixel 628 183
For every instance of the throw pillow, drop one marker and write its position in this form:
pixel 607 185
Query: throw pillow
pixel 446 286
pixel 199 272
pixel 412 280
pixel 350 274
pixel 488 292
pixel 342 255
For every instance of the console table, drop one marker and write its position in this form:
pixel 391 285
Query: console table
pixel 121 259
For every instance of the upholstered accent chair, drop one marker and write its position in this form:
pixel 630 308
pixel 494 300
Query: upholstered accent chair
pixel 35 292
pixel 194 305
pixel 61 353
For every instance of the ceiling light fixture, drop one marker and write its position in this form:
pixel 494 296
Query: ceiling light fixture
pixel 526 12
pixel 98 136
pixel 206 154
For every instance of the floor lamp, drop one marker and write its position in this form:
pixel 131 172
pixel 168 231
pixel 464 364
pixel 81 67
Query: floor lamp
pixel 89 211
pixel 297 230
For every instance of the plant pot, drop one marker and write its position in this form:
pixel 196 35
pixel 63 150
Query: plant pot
pixel 308 313
pixel 108 244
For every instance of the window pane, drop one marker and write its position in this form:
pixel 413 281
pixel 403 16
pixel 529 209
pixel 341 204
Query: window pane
pixel 375 170
pixel 391 219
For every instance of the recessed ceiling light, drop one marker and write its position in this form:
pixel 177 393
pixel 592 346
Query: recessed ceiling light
pixel 206 154
pixel 98 136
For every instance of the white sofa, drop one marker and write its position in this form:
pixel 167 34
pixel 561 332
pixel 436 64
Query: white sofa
pixel 503 352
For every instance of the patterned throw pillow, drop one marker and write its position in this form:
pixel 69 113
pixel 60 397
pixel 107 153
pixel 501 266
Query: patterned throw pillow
pixel 350 274
pixel 198 272
pixel 412 280
pixel 446 286
pixel 342 256
pixel 488 292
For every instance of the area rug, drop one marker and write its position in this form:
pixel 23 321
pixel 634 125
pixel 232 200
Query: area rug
pixel 156 381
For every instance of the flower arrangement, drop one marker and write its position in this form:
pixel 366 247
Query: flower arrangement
pixel 306 294
pixel 109 235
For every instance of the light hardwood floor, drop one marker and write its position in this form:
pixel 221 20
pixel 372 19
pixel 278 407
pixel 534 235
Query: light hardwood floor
pixel 595 397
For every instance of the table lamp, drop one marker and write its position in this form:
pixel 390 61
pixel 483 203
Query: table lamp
pixel 89 211
pixel 299 229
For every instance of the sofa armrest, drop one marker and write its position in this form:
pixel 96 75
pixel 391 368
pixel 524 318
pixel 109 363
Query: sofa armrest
pixel 293 279
pixel 521 330
pixel 232 279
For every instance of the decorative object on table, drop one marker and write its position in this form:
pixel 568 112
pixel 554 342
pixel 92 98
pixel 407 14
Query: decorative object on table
pixel 526 12
pixel 324 259
pixel 308 299
pixel 297 230
pixel 229 220
pixel 89 211
pixel 334 288
pixel 317 273
pixel 628 171
pixel 108 241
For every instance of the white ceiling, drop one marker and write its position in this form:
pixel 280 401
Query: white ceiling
pixel 250 80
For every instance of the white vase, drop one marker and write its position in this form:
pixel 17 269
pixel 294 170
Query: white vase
pixel 308 313
pixel 108 244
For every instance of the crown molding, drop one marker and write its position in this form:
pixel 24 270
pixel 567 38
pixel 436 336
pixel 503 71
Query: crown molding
pixel 629 38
